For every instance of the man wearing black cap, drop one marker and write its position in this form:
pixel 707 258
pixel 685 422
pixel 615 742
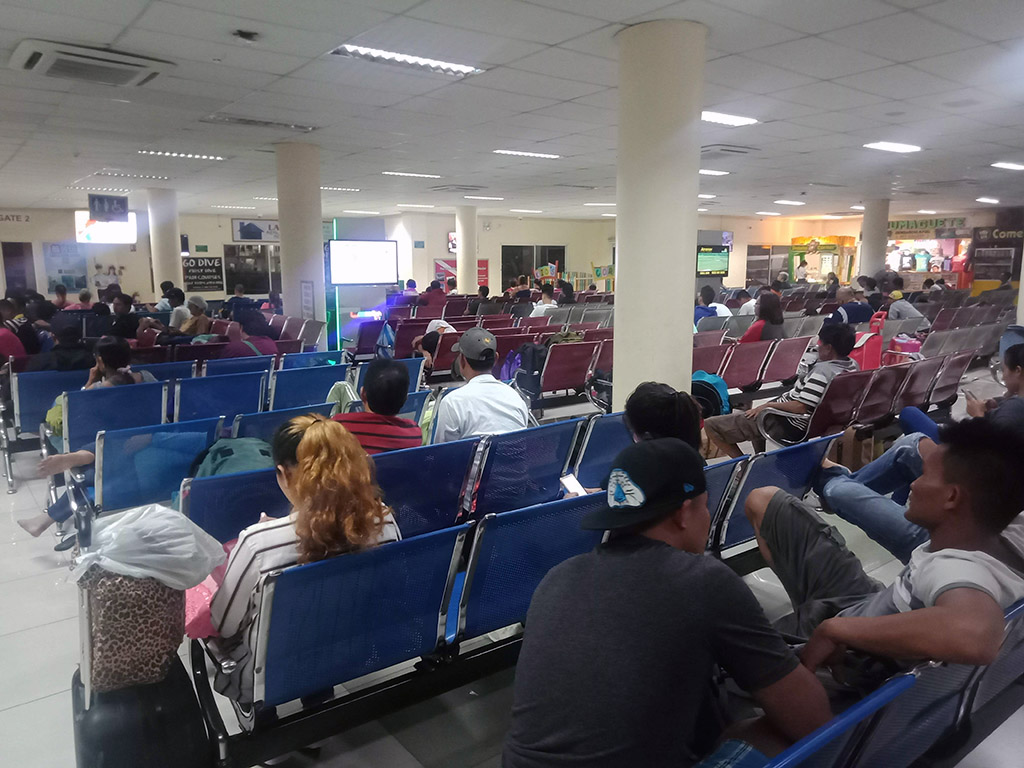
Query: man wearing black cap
pixel 621 642
pixel 484 405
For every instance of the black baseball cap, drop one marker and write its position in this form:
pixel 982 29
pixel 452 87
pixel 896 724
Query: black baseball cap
pixel 648 480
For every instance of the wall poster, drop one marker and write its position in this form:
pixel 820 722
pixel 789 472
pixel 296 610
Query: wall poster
pixel 260 230
pixel 445 268
pixel 204 274
pixel 66 266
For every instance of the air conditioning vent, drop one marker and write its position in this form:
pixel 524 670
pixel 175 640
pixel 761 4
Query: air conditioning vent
pixel 457 188
pixel 726 150
pixel 252 122
pixel 84 64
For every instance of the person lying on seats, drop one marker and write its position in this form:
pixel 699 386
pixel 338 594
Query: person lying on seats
pixel 621 643
pixel 947 604
pixel 336 509
pixel 861 497
pixel 379 428
pixel 835 342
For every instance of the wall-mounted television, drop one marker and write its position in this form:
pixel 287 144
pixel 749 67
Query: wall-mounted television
pixel 363 262
pixel 712 261
pixel 89 231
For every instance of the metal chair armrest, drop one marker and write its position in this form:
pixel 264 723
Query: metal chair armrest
pixel 762 416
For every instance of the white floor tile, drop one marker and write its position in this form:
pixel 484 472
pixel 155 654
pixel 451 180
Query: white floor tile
pixel 37 662
pixel 1003 749
pixel 36 600
pixel 39 734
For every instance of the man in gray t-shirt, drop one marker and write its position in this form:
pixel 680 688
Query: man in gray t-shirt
pixel 621 642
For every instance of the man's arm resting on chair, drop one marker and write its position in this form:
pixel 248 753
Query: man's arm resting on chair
pixel 965 626
pixel 787 406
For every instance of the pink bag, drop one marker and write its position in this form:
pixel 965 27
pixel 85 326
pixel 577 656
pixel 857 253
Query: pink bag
pixel 198 623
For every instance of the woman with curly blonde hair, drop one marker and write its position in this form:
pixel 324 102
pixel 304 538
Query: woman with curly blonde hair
pixel 336 509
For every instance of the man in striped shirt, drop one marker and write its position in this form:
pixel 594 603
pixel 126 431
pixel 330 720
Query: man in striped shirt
pixel 378 428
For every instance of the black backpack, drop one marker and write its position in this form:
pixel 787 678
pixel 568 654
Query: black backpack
pixel 531 363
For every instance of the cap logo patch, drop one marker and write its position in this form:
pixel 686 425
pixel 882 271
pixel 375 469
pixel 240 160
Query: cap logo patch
pixel 623 492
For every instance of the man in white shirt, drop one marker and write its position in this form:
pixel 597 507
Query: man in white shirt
pixel 749 305
pixel 484 405
pixel 547 303
pixel 179 312
pixel 707 298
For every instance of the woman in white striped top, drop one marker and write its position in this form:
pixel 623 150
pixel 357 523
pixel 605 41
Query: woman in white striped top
pixel 336 509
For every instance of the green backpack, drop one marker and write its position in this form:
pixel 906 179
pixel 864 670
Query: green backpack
pixel 230 455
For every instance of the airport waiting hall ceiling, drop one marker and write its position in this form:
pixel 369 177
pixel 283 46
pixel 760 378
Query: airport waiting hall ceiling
pixel 822 77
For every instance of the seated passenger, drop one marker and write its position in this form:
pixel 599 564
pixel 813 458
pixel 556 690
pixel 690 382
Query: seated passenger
pixel 835 342
pixel 748 305
pixel 768 325
pixel 60 291
pixel 336 509
pixel 433 296
pixel 482 293
pixel 483 405
pixel 126 322
pixel 14 320
pixel 547 303
pixel 850 310
pixel 164 305
pixel 257 335
pixel 198 322
pixel 947 604
pixel 707 298
pixel 378 428
pixel 84 300
pixel 237 302
pixel 11 346
pixel 656 410
pixel 68 354
pixel 899 307
pixel 621 642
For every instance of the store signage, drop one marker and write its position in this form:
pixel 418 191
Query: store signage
pixel 989 234
pixel 445 268
pixel 204 274
pixel 108 208
pixel 906 229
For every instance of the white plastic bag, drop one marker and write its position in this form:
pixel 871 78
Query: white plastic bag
pixel 153 541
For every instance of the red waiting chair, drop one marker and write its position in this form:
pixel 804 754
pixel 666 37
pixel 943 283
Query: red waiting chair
pixel 745 364
pixel 917 383
pixel 599 334
pixel 219 327
pixel 709 359
pixel 881 394
pixel 785 359
pixel 708 338
pixel 444 355
pixel 292 328
pixel 534 322
pixel 566 366
pixel 508 343
pixel 834 413
pixel 432 312
pixel 405 333
pixel 947 383
pixel 366 341
pixel 584 327
pixel 496 321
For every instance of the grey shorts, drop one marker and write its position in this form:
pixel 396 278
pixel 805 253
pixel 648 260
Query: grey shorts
pixel 734 428
pixel 821 576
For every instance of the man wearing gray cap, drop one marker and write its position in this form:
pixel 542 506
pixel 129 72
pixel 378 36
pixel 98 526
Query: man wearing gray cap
pixel 484 405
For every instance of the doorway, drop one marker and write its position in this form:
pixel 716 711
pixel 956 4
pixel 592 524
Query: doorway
pixel 519 260
pixel 19 270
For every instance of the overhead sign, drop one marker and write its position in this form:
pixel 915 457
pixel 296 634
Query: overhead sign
pixel 108 208
pixel 204 274
pixel 940 228
pixel 260 230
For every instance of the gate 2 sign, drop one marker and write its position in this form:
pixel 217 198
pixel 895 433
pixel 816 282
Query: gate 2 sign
pixel 203 274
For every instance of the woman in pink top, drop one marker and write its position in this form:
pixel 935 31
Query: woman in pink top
pixel 84 300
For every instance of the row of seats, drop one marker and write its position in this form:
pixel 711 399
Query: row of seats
pixel 965 317
pixel 747 366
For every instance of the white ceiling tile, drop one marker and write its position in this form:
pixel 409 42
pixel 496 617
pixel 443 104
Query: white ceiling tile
pixel 607 99
pixel 345 17
pixel 609 10
pixel 849 120
pixel 897 81
pixel 174 48
pixel 896 112
pixel 60 26
pixel 963 102
pixel 600 42
pixel 572 65
pixel 903 37
pixel 369 74
pixel 241 79
pixel 988 19
pixel 980 66
pixel 728 30
pixel 832 95
pixel 97 10
pixel 746 75
pixel 818 58
pixel 571 110
pixel 334 92
pixel 782 129
pixel 513 17
pixel 466 113
pixel 532 84
pixel 812 16
pixel 466 93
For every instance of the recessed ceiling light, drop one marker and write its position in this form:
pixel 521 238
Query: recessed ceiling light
pixel 789 202
pixel 610 215
pixel 989 200
pixel 266 198
pixel 1009 166
pixel 725 119
pixel 340 189
pixel 517 153
pixel 368 213
pixel 413 175
pixel 856 207
pixel 117 175
pixel 600 205
pixel 928 213
pixel 707 197
pixel 236 207
pixel 702 210
pixel 523 210
pixel 892 146
pixel 413 205
pixel 767 213
pixel 406 60
pixel 831 216
pixel 179 155
pixel 480 197
pixel 99 189
pixel 708 172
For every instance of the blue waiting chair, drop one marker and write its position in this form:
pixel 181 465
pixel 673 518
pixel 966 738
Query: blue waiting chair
pixel 424 486
pixel 89 411
pixel 145 465
pixel 414 405
pixel 34 394
pixel 311 359
pixel 414 364
pixel 522 468
pixel 227 365
pixel 605 436
pixel 227 395
pixel 792 469
pixel 295 387
pixel 185 369
pixel 222 505
pixel 512 552
pixel 264 425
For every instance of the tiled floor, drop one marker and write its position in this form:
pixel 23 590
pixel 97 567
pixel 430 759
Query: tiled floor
pixel 463 729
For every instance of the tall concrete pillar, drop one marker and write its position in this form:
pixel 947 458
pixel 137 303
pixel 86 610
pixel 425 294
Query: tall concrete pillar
pixel 164 237
pixel 298 211
pixel 465 243
pixel 661 73
pixel 874 236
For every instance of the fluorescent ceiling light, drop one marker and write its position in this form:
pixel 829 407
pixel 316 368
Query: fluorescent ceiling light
pixel 600 205
pixel 480 197
pixel 725 119
pixel 610 215
pixel 408 60
pixel 928 213
pixel 856 207
pixel 413 175
pixel 100 189
pixel 413 205
pixel 989 200
pixel 707 197
pixel 516 153
pixel 368 213
pixel 266 198
pixel 766 213
pixel 789 202
pixel 702 210
pixel 892 146
pixel 707 172
pixel 236 207
pixel 179 155
pixel 117 175
pixel 1009 166
pixel 831 216
pixel 523 210
pixel 340 189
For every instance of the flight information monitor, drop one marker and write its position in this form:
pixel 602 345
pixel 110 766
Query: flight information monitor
pixel 363 262
pixel 712 261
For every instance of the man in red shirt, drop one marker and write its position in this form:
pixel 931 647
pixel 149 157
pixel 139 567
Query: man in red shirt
pixel 433 296
pixel 378 428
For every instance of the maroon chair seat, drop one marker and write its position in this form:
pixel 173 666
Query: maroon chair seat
pixel 456 306
pixel 943 320
pixel 710 359
pixel 795 305
pixel 584 327
pixel 509 342
pixel 947 383
pixel 828 308
pixel 19 363
pixel 407 331
pixel 599 334
pixel 366 339
pixel 963 318
pixel 785 358
pixel 708 338
pixel 202 351
pixel 605 356
pixel 444 356
pixel 276 322
pixel 146 338
pixel 462 324
pixel 745 364
pixel 291 329
pixel 496 321
pixel 142 356
pixel 534 322
pixel 288 346
pixel 566 366
pixel 431 312
pixel 882 391
pixel 219 327
pixel 511 330
pixel 733 303
pixel 593 298
pixel 837 407
pixel 918 382
pixel 397 314
pixel 234 331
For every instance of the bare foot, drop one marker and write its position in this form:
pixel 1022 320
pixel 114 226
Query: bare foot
pixel 827 463
pixel 37 525
pixel 55 464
